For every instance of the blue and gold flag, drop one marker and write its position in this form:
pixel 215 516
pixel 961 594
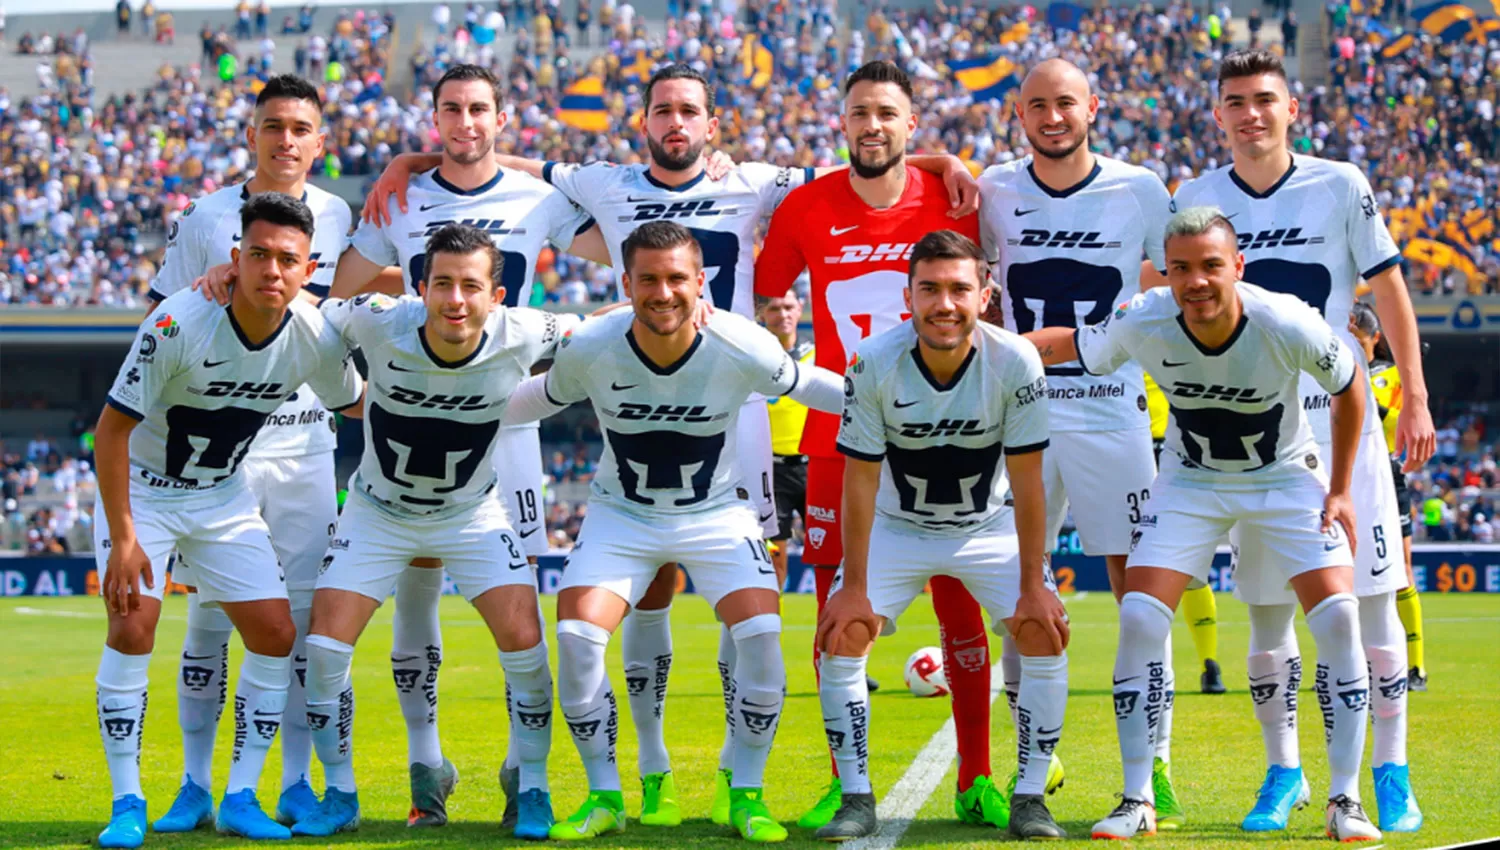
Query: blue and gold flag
pixel 583 106
pixel 986 78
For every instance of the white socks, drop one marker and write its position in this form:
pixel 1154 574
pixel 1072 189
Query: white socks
pixel 760 691
pixel 121 702
pixel 296 738
pixel 1039 718
pixel 1275 672
pixel 727 659
pixel 646 643
pixel 588 701
pixel 1385 646
pixel 259 700
pixel 845 698
pixel 330 708
pixel 528 689
pixel 1140 687
pixel 1343 688
pixel 1010 669
pixel 1164 726
pixel 202 682
pixel 416 655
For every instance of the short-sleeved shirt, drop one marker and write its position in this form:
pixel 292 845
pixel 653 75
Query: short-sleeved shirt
pixel 1236 415
pixel 670 432
pixel 943 444
pixel 201 390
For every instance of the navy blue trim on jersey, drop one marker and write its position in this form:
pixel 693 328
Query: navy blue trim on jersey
pixel 1079 351
pixel 650 364
pixel 584 228
pixel 1393 260
pixel 286 319
pixel 1063 193
pixel 547 391
pixel 1351 382
pixel 859 455
pixel 547 171
pixel 916 355
pixel 123 408
pixel 1261 196
pixel 809 174
pixel 318 289
pixel 796 377
pixel 477 190
pixel 245 192
pixel 454 364
pixel 702 175
pixel 155 296
pixel 1027 449
pixel 1213 352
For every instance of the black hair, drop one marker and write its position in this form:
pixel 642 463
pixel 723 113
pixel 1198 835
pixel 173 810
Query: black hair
pixel 1250 62
pixel 944 245
pixel 879 71
pixel 465 72
pixel 463 240
pixel 680 71
pixel 659 236
pixel 278 209
pixel 290 87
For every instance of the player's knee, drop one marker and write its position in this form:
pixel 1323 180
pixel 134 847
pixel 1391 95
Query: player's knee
pixel 133 635
pixel 1033 641
pixel 1142 617
pixel 272 636
pixel 328 662
pixel 854 641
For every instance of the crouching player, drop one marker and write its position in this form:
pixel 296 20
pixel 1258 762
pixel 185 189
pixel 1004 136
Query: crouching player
pixel 939 412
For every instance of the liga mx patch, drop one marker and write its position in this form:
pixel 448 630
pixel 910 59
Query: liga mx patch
pixel 167 326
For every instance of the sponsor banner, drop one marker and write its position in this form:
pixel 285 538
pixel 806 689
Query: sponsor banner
pixel 1439 568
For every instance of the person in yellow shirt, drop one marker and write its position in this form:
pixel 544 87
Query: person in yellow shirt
pixel 1199 607
pixel 1386 382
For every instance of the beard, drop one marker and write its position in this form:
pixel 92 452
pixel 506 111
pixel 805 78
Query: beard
pixel 675 162
pixel 965 330
pixel 482 150
pixel 870 171
pixel 1043 151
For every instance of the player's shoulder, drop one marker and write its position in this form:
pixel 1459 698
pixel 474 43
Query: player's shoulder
pixel 205 213
pixel 588 339
pixel 1001 344
pixel 758 175
pixel 885 349
pixel 817 195
pixel 1195 190
pixel 528 324
pixel 391 313
pixel 1143 309
pixel 1328 170
pixel 1275 309
pixel 510 180
pixel 1004 175
pixel 736 333
pixel 326 205
pixel 189 310
pixel 1139 179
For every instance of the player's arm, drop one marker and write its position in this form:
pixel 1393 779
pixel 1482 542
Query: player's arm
pixel 1054 345
pixel 818 389
pixel 182 261
pixel 1156 210
pixel 862 442
pixel 780 260
pixel 1150 276
pixel 356 273
pixel 530 403
pixel 1319 352
pixel 590 246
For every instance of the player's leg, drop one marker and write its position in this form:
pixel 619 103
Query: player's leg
pixel 823 551
pixel 1385 647
pixel 1274 669
pixel 1201 611
pixel 416 658
pixel 646 649
pixel 1409 608
pixel 1175 545
pixel 202 685
pixel 121 680
pixel 615 559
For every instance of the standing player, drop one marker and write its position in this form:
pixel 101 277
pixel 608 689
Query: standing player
pixel 442 369
pixel 1065 231
pixel 854 231
pixel 723 216
pixel 788 417
pixel 668 395
pixel 1310 227
pixel 941 419
pixel 1240 455
pixel 200 385
pixel 289 468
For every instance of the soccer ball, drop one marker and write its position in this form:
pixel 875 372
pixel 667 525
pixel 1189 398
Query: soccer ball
pixel 924 673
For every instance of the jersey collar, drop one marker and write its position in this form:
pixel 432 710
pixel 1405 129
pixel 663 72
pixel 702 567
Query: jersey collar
pixel 450 364
pixel 670 368
pixel 477 190
pixel 1214 352
pixel 1063 193
pixel 239 332
pixel 702 175
pixel 245 192
pixel 916 356
pixel 1261 196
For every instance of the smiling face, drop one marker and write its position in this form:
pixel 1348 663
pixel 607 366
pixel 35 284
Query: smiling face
pixel 459 292
pixel 1255 112
pixel 945 298
pixel 678 123
pixel 663 285
pixel 877 122
pixel 273 264
pixel 1202 270
pixel 287 138
pixel 468 120
pixel 1056 109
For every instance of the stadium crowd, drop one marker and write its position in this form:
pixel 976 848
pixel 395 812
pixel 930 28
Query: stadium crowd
pixel 92 179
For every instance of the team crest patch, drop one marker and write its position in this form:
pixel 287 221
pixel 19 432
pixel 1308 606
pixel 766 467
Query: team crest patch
pixel 566 338
pixel 188 210
pixel 1120 309
pixel 1311 460
pixel 167 326
pixel 856 365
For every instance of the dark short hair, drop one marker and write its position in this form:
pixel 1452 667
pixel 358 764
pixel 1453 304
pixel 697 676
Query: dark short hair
pixel 659 236
pixel 463 73
pixel 289 87
pixel 1362 316
pixel 879 71
pixel 680 71
pixel 278 209
pixel 463 240
pixel 944 245
pixel 1250 62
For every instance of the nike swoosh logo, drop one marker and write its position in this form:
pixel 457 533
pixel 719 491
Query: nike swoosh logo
pixel 1020 212
pixel 768 516
pixel 426 207
pixel 1343 684
pixel 630 200
pixel 199 657
pixel 760 705
pixel 117 710
pixel 1124 680
pixel 525 534
pixel 403 660
pixel 1170 365
pixel 900 404
pixel 259 713
pixel 1392 678
pixel 765 572
pixel 957 642
pixel 1041 731
pixel 1258 678
pixel 520 704
pixel 209 364
pixel 520 565
pixel 299 659
pixel 1375 572
pixel 840 231
pixel 619 389
pixel 1329 547
pixel 395 368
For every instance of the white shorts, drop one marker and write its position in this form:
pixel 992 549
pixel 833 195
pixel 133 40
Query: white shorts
pixel 300 505
pixel 371 547
pixel 901 564
pixel 721 549
pixel 518 465
pixel 1106 477
pixel 754 439
pixel 222 534
pixel 1379 563
pixel 1182 526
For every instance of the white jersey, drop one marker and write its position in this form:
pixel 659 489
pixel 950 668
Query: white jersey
pixel 944 445
pixel 201 391
pixel 430 425
pixel 520 213
pixel 1313 235
pixel 670 433
pixel 202 237
pixel 1236 417
pixel 1065 259
pixel 723 216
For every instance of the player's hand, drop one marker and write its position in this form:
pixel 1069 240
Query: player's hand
pixel 963 189
pixel 128 566
pixel 703 312
pixel 1415 435
pixel 844 609
pixel 392 181
pixel 1039 607
pixel 1339 508
pixel 718 165
pixel 216 283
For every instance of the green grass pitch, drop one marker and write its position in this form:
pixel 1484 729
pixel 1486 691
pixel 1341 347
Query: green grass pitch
pixel 57 790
